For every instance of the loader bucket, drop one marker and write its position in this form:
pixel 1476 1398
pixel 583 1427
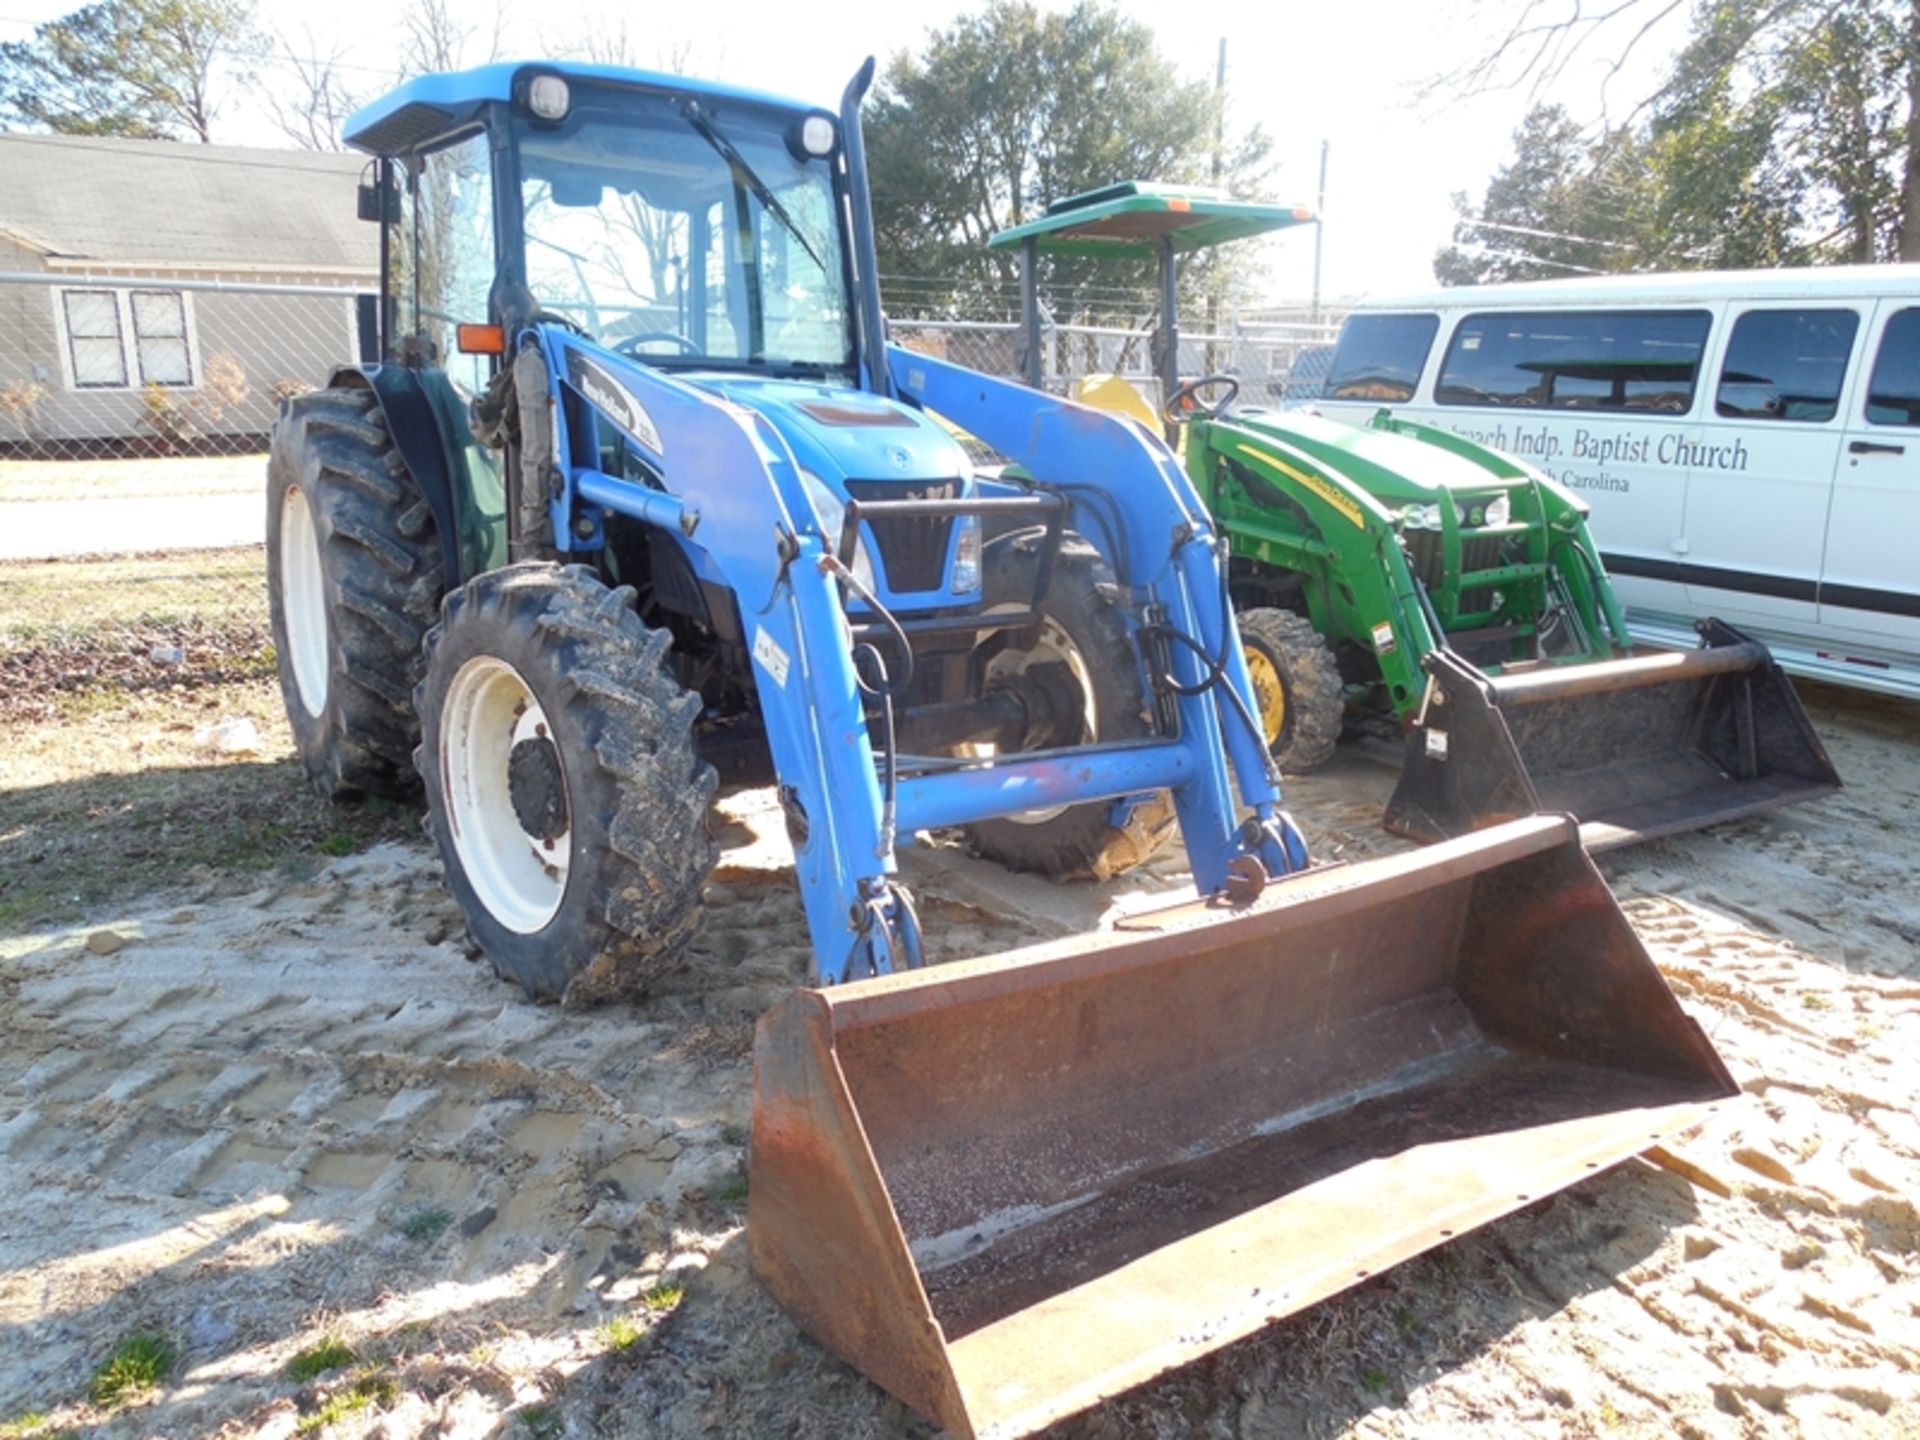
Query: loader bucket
pixel 1633 748
pixel 1006 1188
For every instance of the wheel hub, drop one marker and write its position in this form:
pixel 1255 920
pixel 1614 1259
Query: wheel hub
pixel 535 786
pixel 1269 695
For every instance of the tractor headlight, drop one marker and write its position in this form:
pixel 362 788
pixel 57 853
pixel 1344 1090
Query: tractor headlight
pixel 966 556
pixel 816 136
pixel 831 511
pixel 549 97
pixel 1427 517
pixel 1500 511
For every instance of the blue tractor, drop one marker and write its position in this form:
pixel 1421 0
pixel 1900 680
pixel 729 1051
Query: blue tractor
pixel 631 494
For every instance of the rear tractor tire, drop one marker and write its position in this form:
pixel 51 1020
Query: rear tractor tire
pixel 563 792
pixel 354 577
pixel 1299 698
pixel 1084 646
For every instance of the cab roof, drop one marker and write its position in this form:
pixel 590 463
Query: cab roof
pixel 430 106
pixel 1129 218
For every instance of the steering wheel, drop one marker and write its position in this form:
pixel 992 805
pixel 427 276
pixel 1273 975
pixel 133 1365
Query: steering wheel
pixel 630 344
pixel 1183 400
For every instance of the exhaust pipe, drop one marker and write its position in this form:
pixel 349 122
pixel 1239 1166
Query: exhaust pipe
pixel 1007 1188
pixel 1634 748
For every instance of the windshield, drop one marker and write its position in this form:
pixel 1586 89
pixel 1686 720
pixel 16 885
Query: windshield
pixel 688 237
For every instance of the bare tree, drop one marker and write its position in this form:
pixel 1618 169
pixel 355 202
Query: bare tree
pixel 432 39
pixel 307 97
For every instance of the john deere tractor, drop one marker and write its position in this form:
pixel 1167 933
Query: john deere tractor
pixel 1404 571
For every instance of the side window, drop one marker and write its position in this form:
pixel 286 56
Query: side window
pixel 1786 364
pixel 160 337
pixel 93 339
pixel 1380 357
pixel 1576 360
pixel 1893 394
pixel 452 250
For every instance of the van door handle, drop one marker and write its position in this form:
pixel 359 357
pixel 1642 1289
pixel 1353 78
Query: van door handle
pixel 1874 447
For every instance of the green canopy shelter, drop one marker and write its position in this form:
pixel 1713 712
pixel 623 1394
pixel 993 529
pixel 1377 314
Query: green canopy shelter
pixel 1133 219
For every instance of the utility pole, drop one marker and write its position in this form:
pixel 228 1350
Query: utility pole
pixel 1219 169
pixel 1319 229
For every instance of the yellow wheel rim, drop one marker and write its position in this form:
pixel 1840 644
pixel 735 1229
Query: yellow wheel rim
pixel 1269 695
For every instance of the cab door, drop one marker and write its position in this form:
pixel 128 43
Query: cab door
pixel 1869 577
pixel 1760 465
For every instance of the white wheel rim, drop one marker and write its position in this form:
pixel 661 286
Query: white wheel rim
pixel 303 600
pixel 1053 647
pixel 519 878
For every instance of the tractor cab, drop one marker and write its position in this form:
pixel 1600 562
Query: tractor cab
pixel 1134 220
pixel 699 228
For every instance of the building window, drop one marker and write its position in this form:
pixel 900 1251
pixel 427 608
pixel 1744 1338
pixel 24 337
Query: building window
pixel 119 339
pixel 94 340
pixel 160 337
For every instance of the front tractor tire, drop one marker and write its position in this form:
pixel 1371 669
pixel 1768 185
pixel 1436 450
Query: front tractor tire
pixel 1298 695
pixel 1082 651
pixel 563 792
pixel 354 577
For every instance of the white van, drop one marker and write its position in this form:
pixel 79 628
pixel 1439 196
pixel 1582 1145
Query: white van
pixel 1749 440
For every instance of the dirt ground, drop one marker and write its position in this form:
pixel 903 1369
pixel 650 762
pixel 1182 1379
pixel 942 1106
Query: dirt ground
pixel 266 1108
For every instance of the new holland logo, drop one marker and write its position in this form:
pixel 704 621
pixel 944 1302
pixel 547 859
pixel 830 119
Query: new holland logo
pixel 612 399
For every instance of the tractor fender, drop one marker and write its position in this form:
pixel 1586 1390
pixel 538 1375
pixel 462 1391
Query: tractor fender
pixel 425 417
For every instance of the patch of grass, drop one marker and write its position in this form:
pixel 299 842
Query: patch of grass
pixel 339 843
pixel 371 1391
pixel 1814 1000
pixel 731 1194
pixel 329 1353
pixel 425 1225
pixel 1610 1416
pixel 1376 1380
pixel 541 1421
pixel 138 1364
pixel 30 1426
pixel 1405 1319
pixel 663 1296
pixel 620 1333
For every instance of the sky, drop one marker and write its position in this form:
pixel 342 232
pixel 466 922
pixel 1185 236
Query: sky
pixel 1349 74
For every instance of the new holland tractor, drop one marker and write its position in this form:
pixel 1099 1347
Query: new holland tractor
pixel 632 491
pixel 1402 570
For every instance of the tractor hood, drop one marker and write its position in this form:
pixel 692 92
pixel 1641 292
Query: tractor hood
pixel 842 434
pixel 1394 469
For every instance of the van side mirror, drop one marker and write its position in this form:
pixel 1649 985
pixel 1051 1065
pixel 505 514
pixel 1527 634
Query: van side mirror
pixel 380 204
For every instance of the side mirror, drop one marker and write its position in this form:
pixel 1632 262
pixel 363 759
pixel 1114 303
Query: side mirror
pixel 381 205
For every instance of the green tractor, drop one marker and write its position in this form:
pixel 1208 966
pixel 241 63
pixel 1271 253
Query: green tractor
pixel 1402 571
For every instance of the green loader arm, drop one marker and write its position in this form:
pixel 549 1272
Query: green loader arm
pixel 1571 548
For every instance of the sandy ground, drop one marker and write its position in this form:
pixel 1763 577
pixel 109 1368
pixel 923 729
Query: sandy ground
pixel 104 507
pixel 277 1111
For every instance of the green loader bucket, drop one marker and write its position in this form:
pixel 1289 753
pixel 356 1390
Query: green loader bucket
pixel 1007 1188
pixel 1634 748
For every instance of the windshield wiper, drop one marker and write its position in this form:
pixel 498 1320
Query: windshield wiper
pixel 745 175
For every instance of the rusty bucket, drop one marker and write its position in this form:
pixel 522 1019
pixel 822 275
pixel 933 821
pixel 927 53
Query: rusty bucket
pixel 1007 1188
pixel 1635 748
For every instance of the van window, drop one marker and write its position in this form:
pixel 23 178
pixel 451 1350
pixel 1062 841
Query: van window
pixel 1786 364
pixel 1576 360
pixel 1893 395
pixel 1380 357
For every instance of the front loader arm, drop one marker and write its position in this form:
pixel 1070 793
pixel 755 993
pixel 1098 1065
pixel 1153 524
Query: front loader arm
pixel 1173 563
